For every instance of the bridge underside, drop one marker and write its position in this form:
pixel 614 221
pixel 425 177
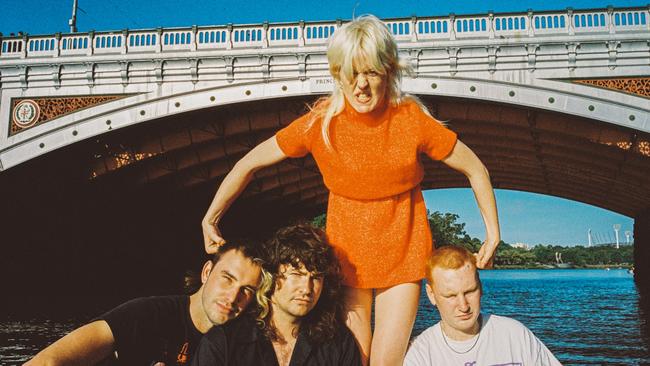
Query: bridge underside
pixel 528 150
pixel 102 207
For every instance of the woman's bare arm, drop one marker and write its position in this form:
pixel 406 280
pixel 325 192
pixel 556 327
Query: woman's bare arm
pixel 265 154
pixel 463 159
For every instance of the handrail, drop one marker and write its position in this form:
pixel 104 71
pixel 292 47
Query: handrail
pixel 300 34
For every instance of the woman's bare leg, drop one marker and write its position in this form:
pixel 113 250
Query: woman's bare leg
pixel 358 305
pixel 395 310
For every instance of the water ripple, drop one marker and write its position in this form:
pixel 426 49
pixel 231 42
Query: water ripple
pixel 586 317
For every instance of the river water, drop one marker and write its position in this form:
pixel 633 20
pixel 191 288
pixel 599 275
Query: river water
pixel 585 316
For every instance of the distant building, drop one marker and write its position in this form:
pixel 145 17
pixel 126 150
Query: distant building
pixel 522 246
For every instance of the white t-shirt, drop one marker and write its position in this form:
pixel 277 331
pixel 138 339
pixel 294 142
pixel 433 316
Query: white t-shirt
pixel 501 342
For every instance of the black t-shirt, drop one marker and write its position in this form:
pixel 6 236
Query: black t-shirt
pixel 241 343
pixel 153 329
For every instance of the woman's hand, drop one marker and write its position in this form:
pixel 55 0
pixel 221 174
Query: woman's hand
pixel 485 255
pixel 265 154
pixel 212 238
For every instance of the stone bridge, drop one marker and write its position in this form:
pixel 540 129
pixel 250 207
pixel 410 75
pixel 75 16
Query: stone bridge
pixel 553 102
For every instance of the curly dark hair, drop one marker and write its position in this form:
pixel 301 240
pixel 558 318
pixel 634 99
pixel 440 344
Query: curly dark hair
pixel 306 245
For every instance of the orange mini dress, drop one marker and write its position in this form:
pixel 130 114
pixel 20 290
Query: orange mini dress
pixel 376 217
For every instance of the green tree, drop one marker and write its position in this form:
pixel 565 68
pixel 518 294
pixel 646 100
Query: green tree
pixel 544 254
pixel 445 230
pixel 319 221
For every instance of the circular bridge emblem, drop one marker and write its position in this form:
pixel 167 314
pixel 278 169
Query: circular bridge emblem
pixel 26 113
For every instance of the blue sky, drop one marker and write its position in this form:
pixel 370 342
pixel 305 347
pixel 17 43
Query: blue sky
pixel 524 217
pixel 43 17
pixel 533 218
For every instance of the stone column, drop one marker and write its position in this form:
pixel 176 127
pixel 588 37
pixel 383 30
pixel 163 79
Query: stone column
pixel 57 46
pixel 125 41
pixel 642 250
pixel 265 34
pixel 194 39
pixel 23 53
pixel 91 43
pixel 159 40
pixel 301 33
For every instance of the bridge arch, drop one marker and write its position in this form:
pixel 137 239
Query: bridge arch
pixel 526 148
pixel 598 104
pixel 541 97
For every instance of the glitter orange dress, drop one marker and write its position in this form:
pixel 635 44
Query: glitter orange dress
pixel 376 218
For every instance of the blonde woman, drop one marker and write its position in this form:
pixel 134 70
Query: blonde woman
pixel 366 138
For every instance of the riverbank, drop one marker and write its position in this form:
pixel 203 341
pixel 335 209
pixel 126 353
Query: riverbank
pixel 569 266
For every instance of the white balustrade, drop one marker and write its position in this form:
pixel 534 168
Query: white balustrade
pixel 42 46
pixel 301 34
pixel 212 38
pixel 283 35
pixel 247 36
pixel 551 23
pixel 510 25
pixel 318 34
pixel 433 28
pixel 176 40
pixel 108 43
pixel 401 29
pixel 143 41
pixel 471 27
pixel 74 44
pixel 590 22
pixel 11 48
pixel 630 20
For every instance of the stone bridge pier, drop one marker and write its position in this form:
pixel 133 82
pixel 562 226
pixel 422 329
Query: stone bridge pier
pixel 642 250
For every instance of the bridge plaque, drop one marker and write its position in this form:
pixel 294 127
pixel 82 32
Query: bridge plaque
pixel 26 113
pixel 321 85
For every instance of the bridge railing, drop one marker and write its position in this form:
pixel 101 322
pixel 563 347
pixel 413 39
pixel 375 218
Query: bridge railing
pixel 452 27
pixel 42 46
pixel 103 43
pixel 510 25
pixel 213 37
pixel 142 41
pixel 401 29
pixel 319 33
pixel 433 28
pixel 630 19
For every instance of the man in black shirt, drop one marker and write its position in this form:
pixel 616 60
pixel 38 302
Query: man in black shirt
pixel 300 316
pixel 164 330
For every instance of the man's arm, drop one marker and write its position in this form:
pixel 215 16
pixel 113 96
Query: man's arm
pixel 86 345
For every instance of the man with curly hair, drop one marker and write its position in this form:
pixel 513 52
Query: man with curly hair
pixel 300 315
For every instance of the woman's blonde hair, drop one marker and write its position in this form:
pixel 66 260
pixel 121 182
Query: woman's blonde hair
pixel 364 40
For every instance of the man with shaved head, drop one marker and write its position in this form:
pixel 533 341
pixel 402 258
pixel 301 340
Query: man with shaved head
pixel 464 336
